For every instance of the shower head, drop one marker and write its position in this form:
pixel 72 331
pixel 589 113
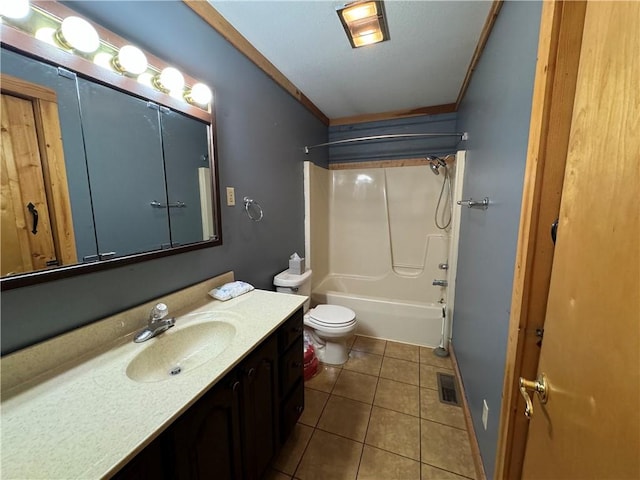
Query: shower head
pixel 435 163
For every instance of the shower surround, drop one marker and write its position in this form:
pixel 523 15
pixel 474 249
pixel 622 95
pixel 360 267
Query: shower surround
pixel 374 247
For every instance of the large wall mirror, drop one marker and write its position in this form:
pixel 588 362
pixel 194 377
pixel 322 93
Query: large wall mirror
pixel 93 175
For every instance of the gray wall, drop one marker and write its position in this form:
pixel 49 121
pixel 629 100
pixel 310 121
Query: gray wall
pixel 389 149
pixel 260 129
pixel 495 112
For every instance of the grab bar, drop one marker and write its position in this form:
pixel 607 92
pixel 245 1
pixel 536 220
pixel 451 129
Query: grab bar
pixel 155 204
pixel 471 203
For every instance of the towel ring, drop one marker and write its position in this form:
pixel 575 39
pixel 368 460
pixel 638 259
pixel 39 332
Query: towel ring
pixel 249 205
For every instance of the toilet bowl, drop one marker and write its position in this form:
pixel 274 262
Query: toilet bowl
pixel 330 325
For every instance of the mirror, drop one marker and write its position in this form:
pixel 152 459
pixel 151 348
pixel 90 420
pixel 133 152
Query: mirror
pixel 131 180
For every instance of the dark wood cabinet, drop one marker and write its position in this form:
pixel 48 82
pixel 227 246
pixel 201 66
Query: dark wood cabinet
pixel 259 404
pixel 206 440
pixel 149 463
pixel 237 428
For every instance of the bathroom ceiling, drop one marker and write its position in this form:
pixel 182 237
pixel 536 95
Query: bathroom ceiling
pixel 423 64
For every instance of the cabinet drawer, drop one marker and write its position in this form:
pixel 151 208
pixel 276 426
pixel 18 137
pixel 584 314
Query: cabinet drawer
pixel 290 331
pixel 292 408
pixel 291 367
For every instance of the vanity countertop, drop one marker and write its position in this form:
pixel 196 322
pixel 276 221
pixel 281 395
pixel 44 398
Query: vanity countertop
pixel 88 420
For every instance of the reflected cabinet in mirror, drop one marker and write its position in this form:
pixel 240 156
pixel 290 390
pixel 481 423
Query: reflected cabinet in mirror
pixel 94 177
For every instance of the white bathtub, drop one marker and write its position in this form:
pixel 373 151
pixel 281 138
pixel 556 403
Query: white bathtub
pixel 383 311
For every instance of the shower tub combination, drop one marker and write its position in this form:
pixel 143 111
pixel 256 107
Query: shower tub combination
pixel 387 315
pixel 379 250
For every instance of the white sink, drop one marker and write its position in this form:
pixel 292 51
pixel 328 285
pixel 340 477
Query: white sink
pixel 179 350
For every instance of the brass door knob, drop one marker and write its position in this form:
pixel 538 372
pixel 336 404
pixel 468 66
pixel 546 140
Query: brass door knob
pixel 539 386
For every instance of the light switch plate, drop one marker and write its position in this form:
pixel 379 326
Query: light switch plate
pixel 231 196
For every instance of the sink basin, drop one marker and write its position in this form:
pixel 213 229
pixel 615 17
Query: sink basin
pixel 179 350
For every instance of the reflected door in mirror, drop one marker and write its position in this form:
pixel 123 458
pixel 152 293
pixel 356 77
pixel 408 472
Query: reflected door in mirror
pixel 35 208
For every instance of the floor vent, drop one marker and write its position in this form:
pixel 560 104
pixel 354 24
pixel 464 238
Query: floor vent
pixel 447 389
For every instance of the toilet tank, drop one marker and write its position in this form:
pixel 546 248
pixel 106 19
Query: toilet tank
pixel 288 282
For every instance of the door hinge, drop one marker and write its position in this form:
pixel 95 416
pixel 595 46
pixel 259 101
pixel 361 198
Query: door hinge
pixel 539 334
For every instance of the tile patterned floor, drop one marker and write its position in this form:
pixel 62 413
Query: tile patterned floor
pixel 378 417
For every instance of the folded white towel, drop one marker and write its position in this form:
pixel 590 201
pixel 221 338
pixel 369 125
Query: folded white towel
pixel 230 290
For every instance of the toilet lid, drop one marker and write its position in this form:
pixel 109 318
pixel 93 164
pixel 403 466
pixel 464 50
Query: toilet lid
pixel 332 315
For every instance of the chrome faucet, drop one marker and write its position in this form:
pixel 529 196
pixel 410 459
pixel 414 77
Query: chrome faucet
pixel 157 323
pixel 439 283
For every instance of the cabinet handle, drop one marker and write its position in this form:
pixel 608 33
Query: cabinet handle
pixel 251 372
pixel 297 329
pixel 296 364
pixel 299 409
pixel 235 386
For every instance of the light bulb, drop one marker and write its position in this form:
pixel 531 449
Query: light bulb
pixel 146 79
pixel 200 94
pixel 130 60
pixel 103 59
pixel 77 33
pixel 169 80
pixel 14 8
pixel 47 35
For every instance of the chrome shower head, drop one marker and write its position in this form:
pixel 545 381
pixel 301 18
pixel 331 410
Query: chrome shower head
pixel 435 163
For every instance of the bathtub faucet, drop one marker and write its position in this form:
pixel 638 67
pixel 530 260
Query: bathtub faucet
pixel 440 283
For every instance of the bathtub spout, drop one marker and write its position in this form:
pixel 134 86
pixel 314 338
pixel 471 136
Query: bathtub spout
pixel 440 283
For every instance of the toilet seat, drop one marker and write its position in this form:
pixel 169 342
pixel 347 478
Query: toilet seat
pixel 332 316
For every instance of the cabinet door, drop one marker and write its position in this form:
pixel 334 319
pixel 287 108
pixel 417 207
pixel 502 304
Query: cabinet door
pixel 148 464
pixel 206 439
pixel 259 409
pixel 126 170
pixel 186 151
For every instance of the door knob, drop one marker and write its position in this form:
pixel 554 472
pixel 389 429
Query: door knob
pixel 539 386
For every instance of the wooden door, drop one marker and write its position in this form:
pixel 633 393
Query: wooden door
pixel 590 425
pixel 27 241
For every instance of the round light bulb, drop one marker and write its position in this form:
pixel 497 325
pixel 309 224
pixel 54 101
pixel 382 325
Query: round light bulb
pixel 103 59
pixel 200 94
pixel 171 80
pixel 14 8
pixel 47 35
pixel 77 33
pixel 146 79
pixel 131 60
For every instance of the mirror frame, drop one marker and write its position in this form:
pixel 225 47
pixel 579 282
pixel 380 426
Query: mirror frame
pixel 23 43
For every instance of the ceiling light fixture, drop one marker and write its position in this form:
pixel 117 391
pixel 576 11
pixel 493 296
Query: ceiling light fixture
pixel 364 22
pixel 78 34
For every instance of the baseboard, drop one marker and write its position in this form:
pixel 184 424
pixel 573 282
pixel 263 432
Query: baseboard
pixel 473 440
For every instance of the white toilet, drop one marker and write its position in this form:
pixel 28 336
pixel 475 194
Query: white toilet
pixel 332 324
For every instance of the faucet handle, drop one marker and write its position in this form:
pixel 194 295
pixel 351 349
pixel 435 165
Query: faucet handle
pixel 159 312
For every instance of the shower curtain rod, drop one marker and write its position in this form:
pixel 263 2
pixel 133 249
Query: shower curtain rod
pixel 463 136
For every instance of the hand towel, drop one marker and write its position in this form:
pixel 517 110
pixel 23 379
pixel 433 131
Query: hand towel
pixel 230 290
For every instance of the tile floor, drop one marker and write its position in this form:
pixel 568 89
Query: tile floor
pixel 378 417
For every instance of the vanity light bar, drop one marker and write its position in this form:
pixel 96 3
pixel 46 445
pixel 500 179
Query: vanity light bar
pixel 77 36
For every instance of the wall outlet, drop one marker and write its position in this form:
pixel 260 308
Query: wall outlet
pixel 231 196
pixel 485 413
